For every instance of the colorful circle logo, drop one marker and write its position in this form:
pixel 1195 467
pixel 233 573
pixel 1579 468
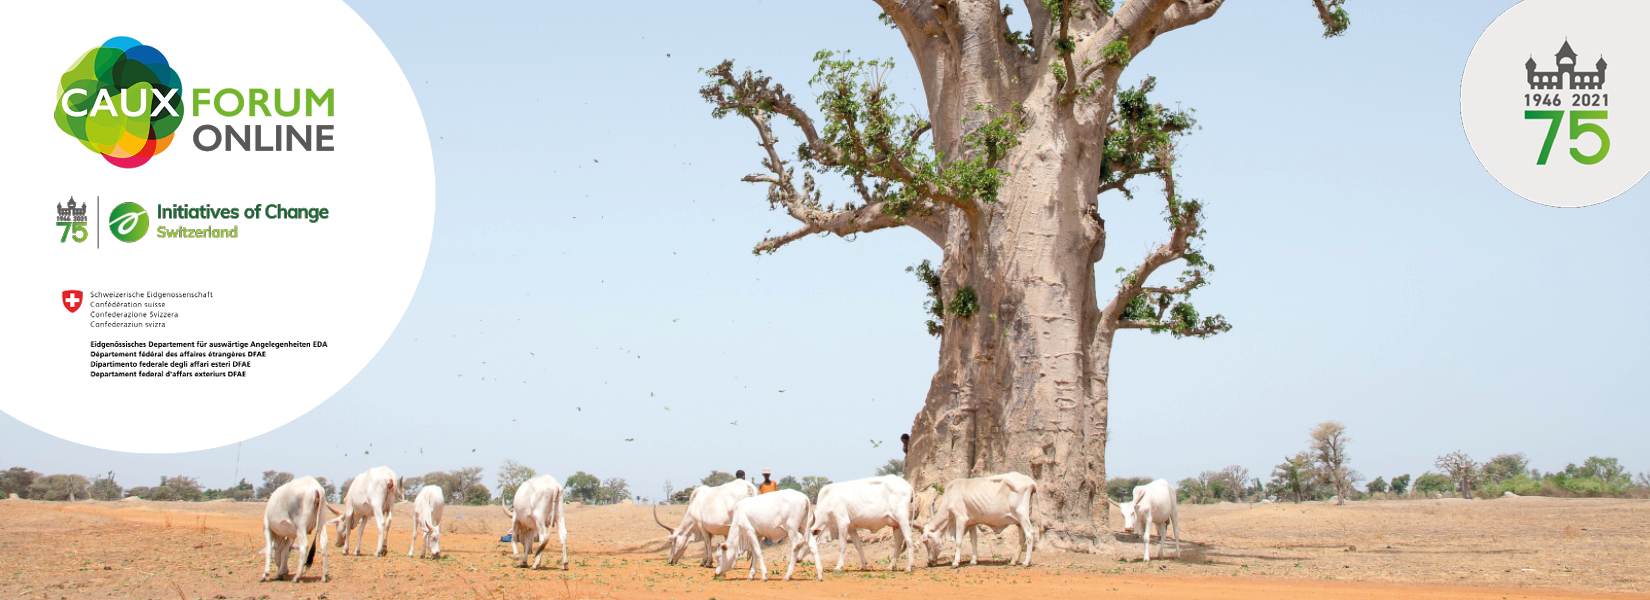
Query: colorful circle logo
pixel 128 222
pixel 121 100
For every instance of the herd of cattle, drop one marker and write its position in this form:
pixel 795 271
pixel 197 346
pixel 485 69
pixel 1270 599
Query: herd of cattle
pixel 295 519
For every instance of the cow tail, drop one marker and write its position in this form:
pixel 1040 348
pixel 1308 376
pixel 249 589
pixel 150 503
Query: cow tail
pixel 320 528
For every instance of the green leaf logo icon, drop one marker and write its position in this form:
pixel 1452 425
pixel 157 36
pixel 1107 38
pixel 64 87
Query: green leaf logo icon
pixel 129 222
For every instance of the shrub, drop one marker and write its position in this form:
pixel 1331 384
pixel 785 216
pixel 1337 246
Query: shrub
pixel 1121 489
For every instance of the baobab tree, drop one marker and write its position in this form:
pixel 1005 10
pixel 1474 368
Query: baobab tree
pixel 1024 132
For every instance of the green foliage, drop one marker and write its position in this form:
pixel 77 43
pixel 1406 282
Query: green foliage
pixel 1520 484
pixel 1400 484
pixel 894 466
pixel 1295 479
pixel 1430 483
pixel 716 478
pixel 865 139
pixel 965 303
pixel 187 488
pixel 59 488
pixel 16 480
pixel 1121 489
pixel 1145 134
pixel 1117 53
pixel 1334 17
pixel 477 495
pixel 1378 486
pixel 1506 466
pixel 104 488
pixel 933 305
pixel 789 483
pixel 586 488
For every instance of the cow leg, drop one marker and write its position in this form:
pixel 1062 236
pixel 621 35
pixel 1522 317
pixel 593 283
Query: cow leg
pixel 382 517
pixel 269 552
pixel 819 566
pixel 760 562
pixel 561 532
pixel 841 544
pixel 414 542
pixel 303 552
pixel 360 527
pixel 544 542
pixel 284 548
pixel 957 533
pixel 974 539
pixel 1146 532
pixel 709 548
pixel 1176 522
pixel 853 534
pixel 791 568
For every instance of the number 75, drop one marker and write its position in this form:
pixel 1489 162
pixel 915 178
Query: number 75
pixel 1577 129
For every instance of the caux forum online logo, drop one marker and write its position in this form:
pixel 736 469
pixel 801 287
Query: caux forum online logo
pixel 121 100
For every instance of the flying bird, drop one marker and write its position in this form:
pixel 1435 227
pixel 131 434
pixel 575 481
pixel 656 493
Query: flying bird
pixel 734 423
pixel 630 439
pixel 876 443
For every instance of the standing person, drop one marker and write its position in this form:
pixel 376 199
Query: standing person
pixel 768 484
pixel 740 474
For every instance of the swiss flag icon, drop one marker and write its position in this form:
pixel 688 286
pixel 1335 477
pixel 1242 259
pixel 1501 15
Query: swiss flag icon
pixel 72 299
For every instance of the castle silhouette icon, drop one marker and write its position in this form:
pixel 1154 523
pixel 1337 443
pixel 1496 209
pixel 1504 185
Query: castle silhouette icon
pixel 71 214
pixel 1554 80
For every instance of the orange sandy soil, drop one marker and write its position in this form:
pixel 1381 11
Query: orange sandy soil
pixel 1495 549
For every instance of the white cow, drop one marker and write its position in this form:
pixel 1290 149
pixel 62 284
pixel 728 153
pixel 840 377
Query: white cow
pixel 1153 507
pixel 536 508
pixel 294 520
pixel 709 514
pixel 871 503
pixel 774 515
pixel 371 494
pixel 996 501
pixel 427 521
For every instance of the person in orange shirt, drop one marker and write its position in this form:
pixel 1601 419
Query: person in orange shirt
pixel 768 484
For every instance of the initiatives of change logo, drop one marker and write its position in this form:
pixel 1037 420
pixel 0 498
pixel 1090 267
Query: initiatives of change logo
pixel 1553 100
pixel 121 100
pixel 128 222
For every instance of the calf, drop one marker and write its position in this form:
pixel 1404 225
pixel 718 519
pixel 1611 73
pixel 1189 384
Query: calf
pixel 871 503
pixel 427 521
pixel 536 508
pixel 373 494
pixel 774 515
pixel 709 514
pixel 293 519
pixel 996 502
pixel 1153 507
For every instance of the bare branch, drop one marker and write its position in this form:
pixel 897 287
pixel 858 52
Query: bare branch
pixel 1140 22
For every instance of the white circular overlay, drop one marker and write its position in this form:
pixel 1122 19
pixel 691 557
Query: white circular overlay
pixel 1572 72
pixel 211 327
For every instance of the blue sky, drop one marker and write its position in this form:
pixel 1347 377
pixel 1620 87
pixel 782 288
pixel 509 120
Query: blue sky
pixel 591 266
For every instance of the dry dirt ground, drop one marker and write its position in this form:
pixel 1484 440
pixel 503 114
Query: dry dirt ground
pixel 1492 549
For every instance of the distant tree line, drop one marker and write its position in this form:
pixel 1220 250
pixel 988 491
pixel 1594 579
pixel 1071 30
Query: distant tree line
pixel 1322 472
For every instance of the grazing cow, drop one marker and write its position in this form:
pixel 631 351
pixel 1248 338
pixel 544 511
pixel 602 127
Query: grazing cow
pixel 536 508
pixel 996 501
pixel 427 521
pixel 709 514
pixel 871 503
pixel 774 515
pixel 1153 507
pixel 294 520
pixel 373 494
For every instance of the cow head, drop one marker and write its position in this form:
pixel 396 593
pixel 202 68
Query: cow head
pixel 726 556
pixel 931 540
pixel 1130 512
pixel 678 540
pixel 435 542
pixel 342 532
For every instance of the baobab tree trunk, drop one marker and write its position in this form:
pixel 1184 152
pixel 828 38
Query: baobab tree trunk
pixel 1021 384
